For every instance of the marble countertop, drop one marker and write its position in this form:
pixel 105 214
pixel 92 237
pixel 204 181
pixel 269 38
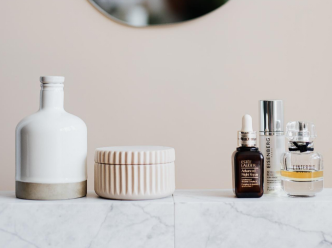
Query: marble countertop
pixel 188 219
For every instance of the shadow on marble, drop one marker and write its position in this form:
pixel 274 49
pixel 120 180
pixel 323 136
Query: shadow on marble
pixel 91 197
pixel 199 196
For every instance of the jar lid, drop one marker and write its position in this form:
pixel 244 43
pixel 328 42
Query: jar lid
pixel 135 155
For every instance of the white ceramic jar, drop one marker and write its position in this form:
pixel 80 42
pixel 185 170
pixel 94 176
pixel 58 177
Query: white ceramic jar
pixel 134 172
pixel 51 149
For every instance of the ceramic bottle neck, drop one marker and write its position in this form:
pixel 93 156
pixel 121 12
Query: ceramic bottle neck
pixel 51 96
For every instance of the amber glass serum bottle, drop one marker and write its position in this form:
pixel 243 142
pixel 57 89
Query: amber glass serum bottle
pixel 248 163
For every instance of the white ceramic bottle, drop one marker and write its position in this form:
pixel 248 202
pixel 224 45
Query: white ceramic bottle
pixel 51 149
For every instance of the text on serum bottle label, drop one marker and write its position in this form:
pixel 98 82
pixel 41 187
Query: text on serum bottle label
pixel 272 153
pixel 249 174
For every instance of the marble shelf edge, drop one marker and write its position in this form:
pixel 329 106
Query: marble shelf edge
pixel 189 218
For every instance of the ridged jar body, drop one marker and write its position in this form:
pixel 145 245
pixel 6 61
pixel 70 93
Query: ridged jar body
pixel 134 172
pixel 134 182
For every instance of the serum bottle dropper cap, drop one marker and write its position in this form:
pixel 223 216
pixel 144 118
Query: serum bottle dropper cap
pixel 247 137
pixel 246 124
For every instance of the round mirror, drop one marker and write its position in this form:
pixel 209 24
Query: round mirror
pixel 141 13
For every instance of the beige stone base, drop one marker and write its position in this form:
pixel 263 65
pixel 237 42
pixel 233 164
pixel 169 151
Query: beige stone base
pixel 48 191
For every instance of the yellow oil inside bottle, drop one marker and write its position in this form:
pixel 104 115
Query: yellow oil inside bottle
pixel 298 175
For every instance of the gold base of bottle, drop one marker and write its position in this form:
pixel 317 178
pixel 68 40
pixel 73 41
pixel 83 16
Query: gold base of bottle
pixel 50 191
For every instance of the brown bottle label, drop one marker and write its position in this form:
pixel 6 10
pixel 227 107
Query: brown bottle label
pixel 249 175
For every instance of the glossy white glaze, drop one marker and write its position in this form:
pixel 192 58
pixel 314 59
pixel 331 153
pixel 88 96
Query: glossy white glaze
pixel 51 144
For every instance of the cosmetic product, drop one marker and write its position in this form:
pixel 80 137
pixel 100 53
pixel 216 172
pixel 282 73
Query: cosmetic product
pixel 134 172
pixel 302 168
pixel 272 142
pixel 51 149
pixel 248 163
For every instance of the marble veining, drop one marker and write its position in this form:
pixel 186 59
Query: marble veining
pixel 216 219
pixel 86 222
pixel 189 219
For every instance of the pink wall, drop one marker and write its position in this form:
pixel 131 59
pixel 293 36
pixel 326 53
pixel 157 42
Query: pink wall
pixel 185 85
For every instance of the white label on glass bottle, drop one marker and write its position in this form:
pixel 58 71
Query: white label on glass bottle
pixel 272 148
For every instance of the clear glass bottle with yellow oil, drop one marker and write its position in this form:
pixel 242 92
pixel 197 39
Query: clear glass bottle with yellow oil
pixel 301 167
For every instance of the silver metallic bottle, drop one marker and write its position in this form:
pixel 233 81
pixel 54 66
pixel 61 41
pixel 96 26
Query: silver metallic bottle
pixel 272 142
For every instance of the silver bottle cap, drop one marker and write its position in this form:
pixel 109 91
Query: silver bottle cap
pixel 271 116
pixel 247 139
pixel 300 131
